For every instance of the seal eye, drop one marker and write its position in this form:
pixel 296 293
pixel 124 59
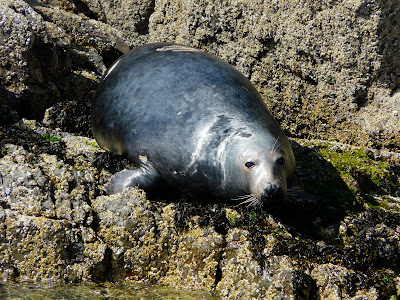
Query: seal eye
pixel 249 164
pixel 281 161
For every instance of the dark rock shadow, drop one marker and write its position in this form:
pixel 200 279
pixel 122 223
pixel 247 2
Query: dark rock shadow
pixel 71 116
pixel 315 208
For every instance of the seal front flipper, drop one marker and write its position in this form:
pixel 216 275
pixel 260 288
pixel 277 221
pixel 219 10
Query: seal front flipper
pixel 141 177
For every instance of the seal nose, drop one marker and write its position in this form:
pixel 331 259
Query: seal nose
pixel 272 191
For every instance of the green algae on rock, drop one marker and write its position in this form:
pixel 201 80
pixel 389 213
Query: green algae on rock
pixel 368 174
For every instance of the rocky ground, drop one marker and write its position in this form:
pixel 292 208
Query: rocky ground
pixel 58 226
pixel 328 72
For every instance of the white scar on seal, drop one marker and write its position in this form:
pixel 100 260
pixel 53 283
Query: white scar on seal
pixel 202 141
pixel 177 48
pixel 112 68
pixel 222 157
pixel 221 151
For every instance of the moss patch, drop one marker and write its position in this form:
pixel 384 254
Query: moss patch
pixel 336 171
pixel 362 173
pixel 50 138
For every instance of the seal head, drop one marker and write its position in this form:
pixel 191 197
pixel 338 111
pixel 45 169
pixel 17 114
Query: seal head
pixel 265 169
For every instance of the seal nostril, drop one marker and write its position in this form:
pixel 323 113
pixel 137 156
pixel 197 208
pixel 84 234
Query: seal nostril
pixel 272 191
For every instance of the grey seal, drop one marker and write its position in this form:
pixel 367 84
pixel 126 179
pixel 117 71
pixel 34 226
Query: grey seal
pixel 191 122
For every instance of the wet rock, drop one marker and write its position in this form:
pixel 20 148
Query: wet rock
pixel 70 116
pixel 372 240
pixel 32 246
pixel 135 25
pixel 319 66
pixel 326 70
pixel 194 258
pixel 8 115
pixel 44 184
pixel 47 221
pixel 53 214
pixel 129 228
pixel 145 242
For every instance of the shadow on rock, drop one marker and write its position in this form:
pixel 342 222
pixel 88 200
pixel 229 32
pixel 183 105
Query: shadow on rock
pixel 319 203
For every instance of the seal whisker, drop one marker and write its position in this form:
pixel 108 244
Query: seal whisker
pixel 243 197
pixel 275 146
pixel 253 202
pixel 250 200
pixel 294 190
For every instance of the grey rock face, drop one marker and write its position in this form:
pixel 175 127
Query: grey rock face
pixel 24 188
pixel 322 68
pixel 49 55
